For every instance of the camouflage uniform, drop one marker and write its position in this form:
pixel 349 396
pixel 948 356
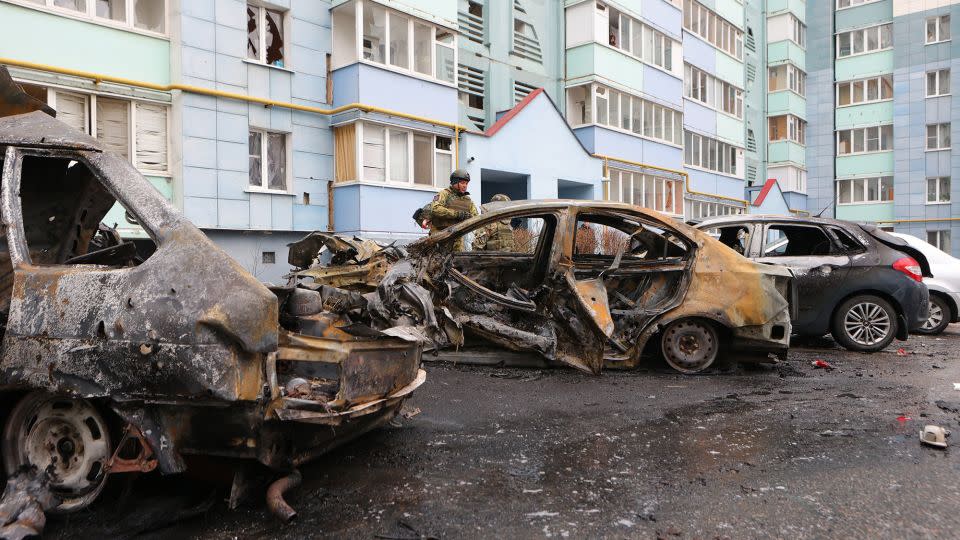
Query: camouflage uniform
pixel 449 208
pixel 497 236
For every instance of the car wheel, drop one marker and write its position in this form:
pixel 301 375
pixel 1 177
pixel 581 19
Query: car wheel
pixel 65 437
pixel 690 345
pixel 939 316
pixel 864 323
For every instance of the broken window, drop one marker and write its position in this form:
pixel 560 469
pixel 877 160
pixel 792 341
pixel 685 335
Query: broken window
pixel 65 207
pixel 796 241
pixel 735 237
pixel 847 243
pixel 112 9
pixel 141 14
pixel 268 160
pixel 374 33
pixel 265 35
pixel 606 236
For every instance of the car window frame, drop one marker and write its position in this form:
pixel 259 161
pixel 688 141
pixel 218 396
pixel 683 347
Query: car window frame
pixel 768 224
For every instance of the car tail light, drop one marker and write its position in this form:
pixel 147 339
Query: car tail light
pixel 910 267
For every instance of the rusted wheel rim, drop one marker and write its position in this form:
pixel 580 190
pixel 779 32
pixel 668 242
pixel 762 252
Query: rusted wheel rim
pixel 866 323
pixel 935 318
pixel 690 346
pixel 65 437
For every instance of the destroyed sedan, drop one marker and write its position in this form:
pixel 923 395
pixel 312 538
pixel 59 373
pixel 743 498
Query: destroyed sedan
pixel 588 284
pixel 120 356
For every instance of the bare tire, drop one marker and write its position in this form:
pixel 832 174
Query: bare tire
pixel 690 345
pixel 65 437
pixel 864 323
pixel 939 316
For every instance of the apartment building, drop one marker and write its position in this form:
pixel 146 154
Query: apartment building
pixel 884 115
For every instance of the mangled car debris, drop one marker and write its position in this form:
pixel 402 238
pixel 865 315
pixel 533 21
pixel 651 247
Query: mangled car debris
pixel 589 284
pixel 128 357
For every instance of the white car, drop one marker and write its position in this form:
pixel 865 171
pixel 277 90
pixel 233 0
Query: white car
pixel 944 285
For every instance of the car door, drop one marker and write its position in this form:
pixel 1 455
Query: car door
pixel 818 264
pixel 529 299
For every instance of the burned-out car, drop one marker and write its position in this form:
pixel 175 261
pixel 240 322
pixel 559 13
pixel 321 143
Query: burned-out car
pixel 588 284
pixel 117 358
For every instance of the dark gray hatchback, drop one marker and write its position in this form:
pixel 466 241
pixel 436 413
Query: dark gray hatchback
pixel 854 281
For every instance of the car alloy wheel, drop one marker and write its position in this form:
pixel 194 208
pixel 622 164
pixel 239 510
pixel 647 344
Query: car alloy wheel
pixel 867 323
pixel 690 345
pixel 938 318
pixel 65 437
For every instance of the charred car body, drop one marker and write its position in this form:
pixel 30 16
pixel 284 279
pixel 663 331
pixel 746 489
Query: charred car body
pixel 178 344
pixel 854 281
pixel 589 284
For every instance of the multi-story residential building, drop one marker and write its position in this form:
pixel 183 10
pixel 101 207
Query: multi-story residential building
pixel 885 115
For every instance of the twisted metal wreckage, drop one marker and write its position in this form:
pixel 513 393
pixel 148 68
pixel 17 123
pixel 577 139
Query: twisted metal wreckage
pixel 589 286
pixel 123 356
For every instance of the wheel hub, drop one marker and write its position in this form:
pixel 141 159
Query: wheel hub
pixel 867 323
pixel 689 346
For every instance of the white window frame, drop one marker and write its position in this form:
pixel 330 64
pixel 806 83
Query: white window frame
pixel 852 3
pixel 938 38
pixel 436 182
pixel 938 239
pixel 661 182
pixel 90 14
pixel 865 39
pixel 657 111
pixel 265 165
pixel 718 32
pixel 865 82
pixel 412 21
pixel 635 46
pixel 704 209
pixel 936 190
pixel 262 34
pixel 795 129
pixel 91 113
pixel 711 92
pixel 795 79
pixel 865 132
pixel 724 155
pixel 798 32
pixel 863 183
pixel 937 82
pixel 939 136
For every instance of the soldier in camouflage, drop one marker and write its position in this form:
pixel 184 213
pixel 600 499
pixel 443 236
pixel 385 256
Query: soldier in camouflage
pixel 452 205
pixel 497 236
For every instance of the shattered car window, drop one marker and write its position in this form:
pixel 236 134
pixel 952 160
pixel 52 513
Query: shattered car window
pixel 735 237
pixel 503 271
pixel 847 242
pixel 63 206
pixel 796 241
pixel 605 236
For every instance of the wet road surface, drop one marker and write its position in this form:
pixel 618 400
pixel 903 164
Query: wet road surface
pixel 773 451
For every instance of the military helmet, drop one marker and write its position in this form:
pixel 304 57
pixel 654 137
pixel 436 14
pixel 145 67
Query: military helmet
pixel 499 197
pixel 459 175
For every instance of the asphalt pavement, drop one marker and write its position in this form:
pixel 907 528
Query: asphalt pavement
pixel 783 451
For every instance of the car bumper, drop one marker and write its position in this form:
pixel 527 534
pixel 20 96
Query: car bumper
pixel 914 300
pixel 759 341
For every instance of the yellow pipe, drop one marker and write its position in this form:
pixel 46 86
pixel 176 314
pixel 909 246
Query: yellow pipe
pixel 917 220
pixel 98 78
pixel 686 177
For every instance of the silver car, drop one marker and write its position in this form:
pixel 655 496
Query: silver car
pixel 944 285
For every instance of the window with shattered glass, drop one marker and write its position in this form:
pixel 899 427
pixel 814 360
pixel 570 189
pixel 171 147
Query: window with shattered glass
pixel 147 15
pixel 268 160
pixel 265 35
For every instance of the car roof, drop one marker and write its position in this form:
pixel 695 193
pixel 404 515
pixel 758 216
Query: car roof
pixel 40 130
pixel 765 218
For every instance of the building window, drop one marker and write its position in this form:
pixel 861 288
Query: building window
pixel 938 83
pixel 149 15
pixel 711 154
pixel 939 239
pixel 938 29
pixel 268 160
pixel 393 39
pixel 712 92
pixel 865 40
pixel 864 140
pixel 624 112
pixel 471 21
pixel 713 28
pixel 646 190
pixel 787 127
pixel 702 209
pixel 938 190
pixel 938 136
pixel 841 4
pixel 265 35
pixel 787 77
pixel 798 32
pixel 865 90
pixel 639 40
pixel 268 257
pixel 391 155
pixel 865 190
pixel 136 130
